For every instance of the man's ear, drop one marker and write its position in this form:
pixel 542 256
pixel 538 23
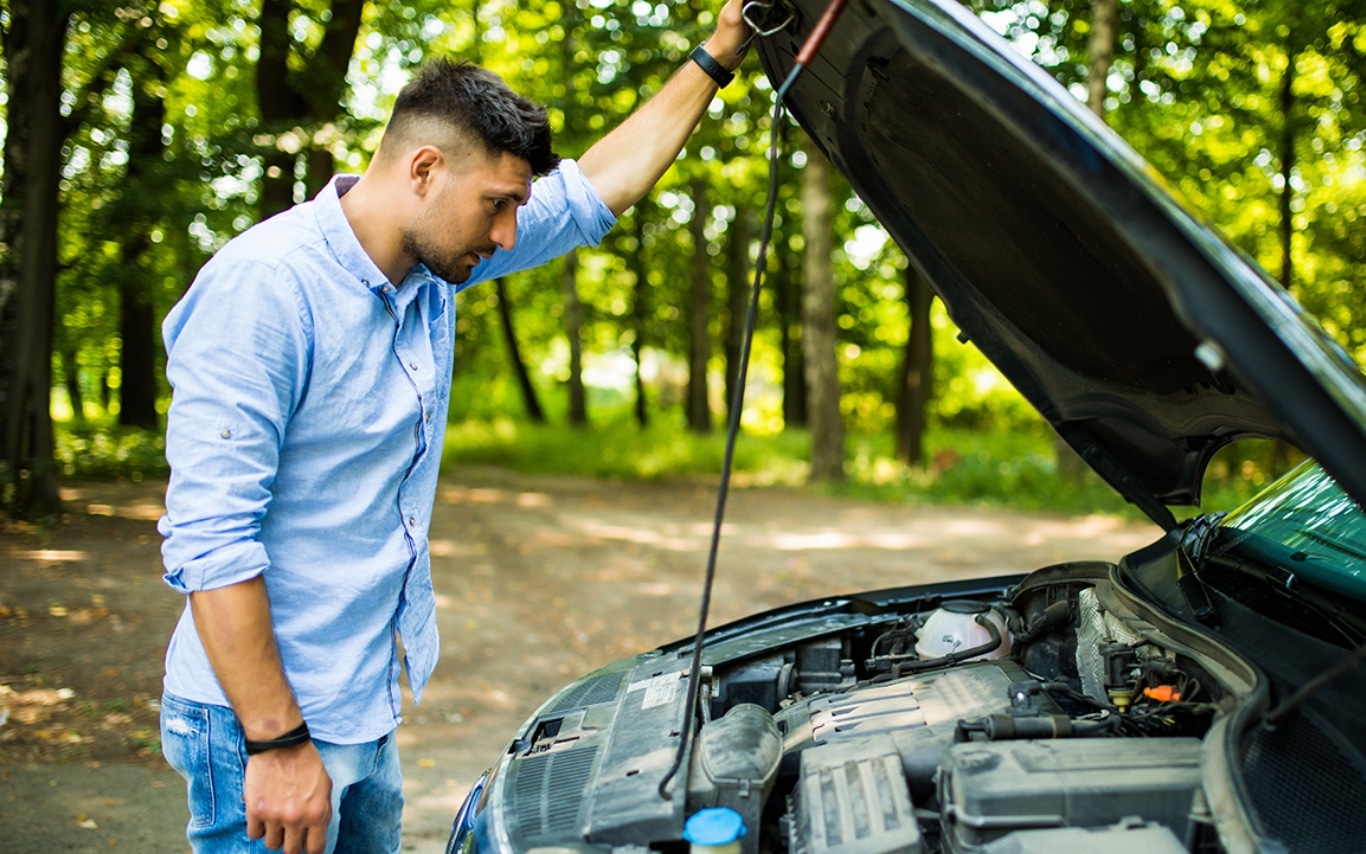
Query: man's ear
pixel 423 166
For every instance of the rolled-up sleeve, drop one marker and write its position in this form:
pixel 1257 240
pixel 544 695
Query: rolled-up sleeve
pixel 564 213
pixel 237 355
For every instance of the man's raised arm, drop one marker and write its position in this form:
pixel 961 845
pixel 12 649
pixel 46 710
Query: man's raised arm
pixel 626 163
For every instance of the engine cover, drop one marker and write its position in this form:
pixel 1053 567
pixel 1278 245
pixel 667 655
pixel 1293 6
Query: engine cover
pixel 918 713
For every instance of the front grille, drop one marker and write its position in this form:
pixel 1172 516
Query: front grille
pixel 549 791
pixel 602 689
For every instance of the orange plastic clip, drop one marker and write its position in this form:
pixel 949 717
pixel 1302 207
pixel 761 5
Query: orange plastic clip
pixel 1163 693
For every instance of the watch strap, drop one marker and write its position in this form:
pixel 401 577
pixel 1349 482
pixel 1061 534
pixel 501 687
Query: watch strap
pixel 715 70
pixel 293 738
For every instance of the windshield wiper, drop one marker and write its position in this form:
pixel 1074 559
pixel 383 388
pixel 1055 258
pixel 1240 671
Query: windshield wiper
pixel 1333 543
pixel 1195 543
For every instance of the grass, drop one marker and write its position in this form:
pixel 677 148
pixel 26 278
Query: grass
pixel 1014 468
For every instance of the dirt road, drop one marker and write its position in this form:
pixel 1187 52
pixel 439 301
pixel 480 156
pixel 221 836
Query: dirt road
pixel 538 579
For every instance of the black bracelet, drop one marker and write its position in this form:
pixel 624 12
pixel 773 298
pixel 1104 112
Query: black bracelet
pixel 293 738
pixel 715 70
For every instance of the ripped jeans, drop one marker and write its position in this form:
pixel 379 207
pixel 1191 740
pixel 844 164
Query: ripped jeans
pixel 205 744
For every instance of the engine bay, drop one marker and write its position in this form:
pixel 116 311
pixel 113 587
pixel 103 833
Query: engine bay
pixel 1051 716
pixel 977 726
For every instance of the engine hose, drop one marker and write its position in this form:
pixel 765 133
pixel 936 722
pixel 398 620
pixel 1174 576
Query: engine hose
pixel 958 655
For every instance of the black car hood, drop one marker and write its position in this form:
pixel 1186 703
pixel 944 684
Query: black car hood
pixel 1143 338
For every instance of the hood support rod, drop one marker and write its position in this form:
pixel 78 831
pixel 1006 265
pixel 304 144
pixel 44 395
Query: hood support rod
pixel 804 56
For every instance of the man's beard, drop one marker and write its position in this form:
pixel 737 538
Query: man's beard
pixel 451 266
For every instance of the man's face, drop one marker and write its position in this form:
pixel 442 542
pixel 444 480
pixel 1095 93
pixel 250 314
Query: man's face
pixel 470 212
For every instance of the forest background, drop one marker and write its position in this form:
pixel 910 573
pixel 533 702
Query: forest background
pixel 140 135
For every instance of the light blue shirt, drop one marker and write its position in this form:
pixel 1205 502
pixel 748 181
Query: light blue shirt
pixel 304 438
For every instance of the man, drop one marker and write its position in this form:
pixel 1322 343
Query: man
pixel 311 363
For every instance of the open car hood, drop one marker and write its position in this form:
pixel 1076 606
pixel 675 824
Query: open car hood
pixel 1144 339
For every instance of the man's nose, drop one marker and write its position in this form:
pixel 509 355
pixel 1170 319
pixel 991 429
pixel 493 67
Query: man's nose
pixel 504 231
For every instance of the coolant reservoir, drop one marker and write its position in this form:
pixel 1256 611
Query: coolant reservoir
pixel 955 626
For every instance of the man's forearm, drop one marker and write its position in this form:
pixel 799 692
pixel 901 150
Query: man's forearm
pixel 235 627
pixel 626 163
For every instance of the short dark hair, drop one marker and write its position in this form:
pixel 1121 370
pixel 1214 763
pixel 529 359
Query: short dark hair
pixel 477 102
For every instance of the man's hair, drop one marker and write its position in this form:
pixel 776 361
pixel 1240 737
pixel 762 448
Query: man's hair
pixel 476 103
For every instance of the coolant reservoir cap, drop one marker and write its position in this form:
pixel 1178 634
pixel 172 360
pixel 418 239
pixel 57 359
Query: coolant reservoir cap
pixel 714 826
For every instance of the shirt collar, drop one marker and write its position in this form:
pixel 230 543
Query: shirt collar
pixel 341 239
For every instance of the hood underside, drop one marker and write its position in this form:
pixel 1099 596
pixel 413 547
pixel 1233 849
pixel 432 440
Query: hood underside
pixel 1137 332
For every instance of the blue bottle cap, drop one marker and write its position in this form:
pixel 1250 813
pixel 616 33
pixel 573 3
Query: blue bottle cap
pixel 714 826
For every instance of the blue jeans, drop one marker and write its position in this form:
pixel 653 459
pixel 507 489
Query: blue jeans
pixel 205 744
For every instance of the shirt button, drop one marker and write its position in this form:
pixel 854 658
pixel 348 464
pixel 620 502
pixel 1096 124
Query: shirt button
pixel 413 365
pixel 226 433
pixel 412 521
pixel 388 289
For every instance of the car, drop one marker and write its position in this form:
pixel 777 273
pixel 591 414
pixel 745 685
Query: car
pixel 1201 694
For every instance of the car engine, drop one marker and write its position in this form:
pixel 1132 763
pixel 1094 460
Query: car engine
pixel 1055 719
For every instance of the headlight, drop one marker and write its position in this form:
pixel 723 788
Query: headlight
pixel 462 831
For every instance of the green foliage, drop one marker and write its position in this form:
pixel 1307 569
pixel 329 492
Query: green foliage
pixel 617 448
pixel 1246 109
pixel 1014 468
pixel 971 467
pixel 104 451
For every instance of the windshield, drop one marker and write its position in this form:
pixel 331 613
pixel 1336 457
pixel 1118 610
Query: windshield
pixel 1306 525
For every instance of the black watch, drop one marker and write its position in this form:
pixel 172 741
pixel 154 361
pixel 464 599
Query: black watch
pixel 715 70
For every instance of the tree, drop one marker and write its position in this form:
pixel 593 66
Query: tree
pixel 569 282
pixel 820 335
pixel 737 293
pixel 33 43
pixel 298 100
pixel 533 403
pixel 916 384
pixel 640 305
pixel 137 213
pixel 699 312
pixel 1102 44
pixel 573 329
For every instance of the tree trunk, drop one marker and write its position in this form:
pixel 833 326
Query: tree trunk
pixel 1287 195
pixel 278 105
pixel 34 43
pixel 737 294
pixel 917 372
pixel 1102 45
pixel 786 280
pixel 137 357
pixel 1280 450
pixel 699 314
pixel 788 296
pixel 137 321
pixel 297 104
pixel 323 83
pixel 533 403
pixel 640 310
pixel 819 328
pixel 71 379
pixel 573 328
